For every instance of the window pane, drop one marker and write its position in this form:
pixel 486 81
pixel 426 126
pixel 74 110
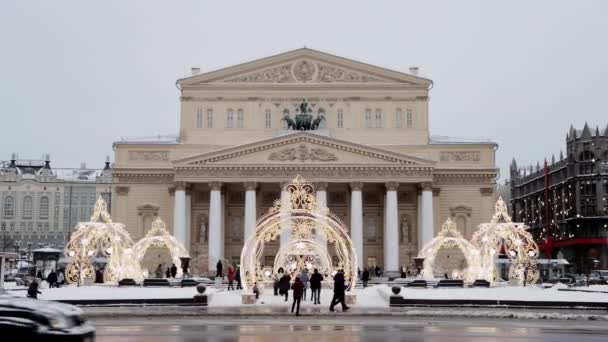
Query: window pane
pixel 268 118
pixel 44 207
pixel 368 118
pixel 209 118
pixel 410 119
pixel 240 118
pixel 340 118
pixel 229 118
pixel 378 118
pixel 27 207
pixel 199 118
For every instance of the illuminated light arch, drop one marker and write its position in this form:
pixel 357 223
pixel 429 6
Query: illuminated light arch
pixel 303 218
pixel 98 237
pixel 450 237
pixel 517 242
pixel 303 253
pixel 158 237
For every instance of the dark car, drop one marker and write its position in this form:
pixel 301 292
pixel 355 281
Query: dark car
pixel 39 320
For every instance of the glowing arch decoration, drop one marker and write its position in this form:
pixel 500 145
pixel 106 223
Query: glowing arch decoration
pixel 300 216
pixel 158 237
pixel 518 244
pixel 303 254
pixel 449 237
pixel 100 237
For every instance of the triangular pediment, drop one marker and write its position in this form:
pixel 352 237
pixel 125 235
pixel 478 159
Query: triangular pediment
pixel 303 149
pixel 304 66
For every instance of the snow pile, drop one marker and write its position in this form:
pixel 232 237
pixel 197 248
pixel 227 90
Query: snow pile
pixel 113 292
pixel 494 313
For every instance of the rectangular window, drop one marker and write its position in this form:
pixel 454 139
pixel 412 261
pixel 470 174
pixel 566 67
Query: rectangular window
pixel 268 120
pixel 229 118
pixel 199 118
pixel 410 118
pixel 239 118
pixel 368 118
pixel 399 118
pixel 340 118
pixel 378 118
pixel 209 118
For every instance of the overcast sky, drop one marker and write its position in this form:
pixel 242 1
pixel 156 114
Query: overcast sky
pixel 76 76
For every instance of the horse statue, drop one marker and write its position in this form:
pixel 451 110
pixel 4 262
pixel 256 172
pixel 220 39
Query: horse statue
pixel 290 123
pixel 316 122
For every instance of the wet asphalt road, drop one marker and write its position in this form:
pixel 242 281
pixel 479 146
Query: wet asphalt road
pixel 345 329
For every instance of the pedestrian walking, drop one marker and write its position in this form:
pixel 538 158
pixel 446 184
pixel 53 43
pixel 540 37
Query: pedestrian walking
pixel 168 273
pixel 32 290
pixel 60 278
pixel 339 290
pixel 304 280
pixel 159 271
pixel 365 278
pixel 237 277
pixel 298 291
pixel 52 279
pixel 230 278
pixel 315 286
pixel 284 285
pixel 173 271
pixel 256 290
pixel 277 279
pixel 218 267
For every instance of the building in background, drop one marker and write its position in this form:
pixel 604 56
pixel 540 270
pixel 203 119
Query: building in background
pixel 40 205
pixel 575 222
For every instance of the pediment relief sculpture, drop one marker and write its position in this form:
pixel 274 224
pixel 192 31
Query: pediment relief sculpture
pixel 302 153
pixel 304 71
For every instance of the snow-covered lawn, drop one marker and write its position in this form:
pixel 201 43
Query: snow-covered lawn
pixel 113 292
pixel 506 293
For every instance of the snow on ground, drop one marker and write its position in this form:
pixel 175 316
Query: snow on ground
pixel 113 292
pixel 368 298
pixel 531 293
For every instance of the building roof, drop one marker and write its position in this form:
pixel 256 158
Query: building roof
pixel 442 139
pixel 168 139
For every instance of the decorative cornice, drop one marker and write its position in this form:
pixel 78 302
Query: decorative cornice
pixel 180 186
pixel 436 191
pixel 391 186
pixel 426 186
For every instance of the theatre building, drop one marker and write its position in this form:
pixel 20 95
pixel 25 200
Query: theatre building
pixel 359 132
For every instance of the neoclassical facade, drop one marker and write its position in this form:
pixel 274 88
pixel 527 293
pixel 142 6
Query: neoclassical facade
pixel 368 150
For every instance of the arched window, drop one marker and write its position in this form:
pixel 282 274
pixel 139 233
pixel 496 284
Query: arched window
pixel 28 204
pixel 399 118
pixel 229 118
pixel 209 118
pixel 44 207
pixel 368 118
pixel 409 119
pixel 378 118
pixel 268 119
pixel 240 117
pixel 199 118
pixel 9 207
pixel 340 118
pixel 323 114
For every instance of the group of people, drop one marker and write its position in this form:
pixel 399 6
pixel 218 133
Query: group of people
pixel 54 279
pixel 231 273
pixel 170 272
pixel 282 285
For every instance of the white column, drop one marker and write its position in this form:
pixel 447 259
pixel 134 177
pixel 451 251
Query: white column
pixel 391 229
pixel 428 230
pixel 188 220
pixel 322 203
pixel 285 225
pixel 356 221
pixel 250 210
pixel 223 225
pixel 179 213
pixel 215 222
pixel 419 222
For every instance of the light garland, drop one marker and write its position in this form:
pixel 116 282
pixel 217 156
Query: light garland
pixel 302 217
pixel 99 236
pixel 450 237
pixel 303 254
pixel 157 237
pixel 517 241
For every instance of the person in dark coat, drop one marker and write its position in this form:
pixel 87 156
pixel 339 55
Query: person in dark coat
pixel 237 277
pixel 173 271
pixel 52 279
pixel 284 285
pixel 219 267
pixel 277 279
pixel 365 278
pixel 315 286
pixel 39 275
pixel 339 290
pixel 298 291
pixel 168 273
pixel 32 291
